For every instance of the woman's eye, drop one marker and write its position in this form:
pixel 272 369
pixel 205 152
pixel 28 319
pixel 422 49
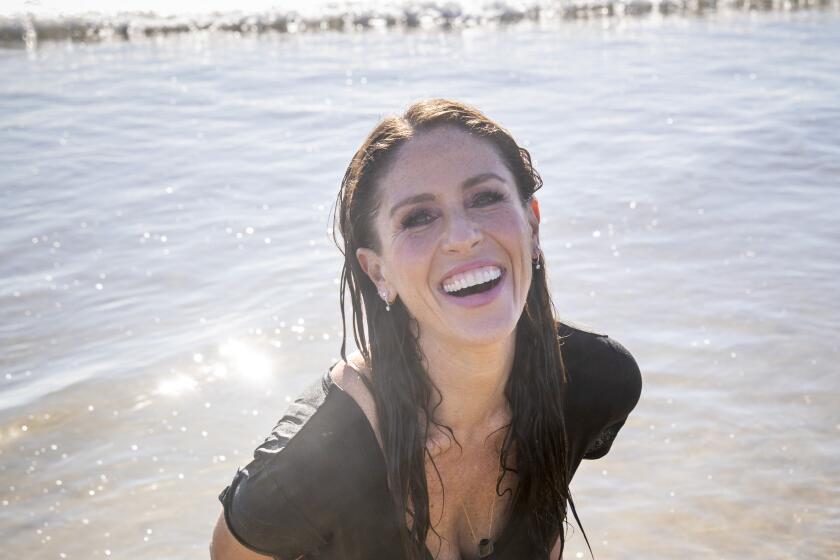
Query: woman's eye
pixel 418 218
pixel 487 198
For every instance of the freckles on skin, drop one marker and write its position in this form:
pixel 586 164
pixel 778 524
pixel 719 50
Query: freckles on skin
pixel 454 223
pixel 417 250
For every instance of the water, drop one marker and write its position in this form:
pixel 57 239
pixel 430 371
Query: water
pixel 168 282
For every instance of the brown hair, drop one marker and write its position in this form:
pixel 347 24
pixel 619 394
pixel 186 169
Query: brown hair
pixel 400 385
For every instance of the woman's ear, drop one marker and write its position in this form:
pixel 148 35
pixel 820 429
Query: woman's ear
pixel 371 263
pixel 535 208
pixel 534 220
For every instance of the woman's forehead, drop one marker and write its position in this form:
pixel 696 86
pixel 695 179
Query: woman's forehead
pixel 439 158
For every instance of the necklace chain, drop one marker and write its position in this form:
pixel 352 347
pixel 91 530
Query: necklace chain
pixel 485 546
pixel 469 523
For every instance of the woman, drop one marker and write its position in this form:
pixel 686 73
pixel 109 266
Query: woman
pixel 455 432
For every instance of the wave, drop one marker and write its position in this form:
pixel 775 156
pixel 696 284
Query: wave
pixel 28 29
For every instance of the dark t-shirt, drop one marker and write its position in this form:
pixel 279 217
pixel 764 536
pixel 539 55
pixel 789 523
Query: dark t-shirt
pixel 318 485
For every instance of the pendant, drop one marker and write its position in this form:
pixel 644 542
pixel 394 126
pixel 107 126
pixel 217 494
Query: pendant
pixel 485 548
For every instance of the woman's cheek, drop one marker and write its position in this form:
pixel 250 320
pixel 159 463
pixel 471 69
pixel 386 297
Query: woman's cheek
pixel 507 222
pixel 412 252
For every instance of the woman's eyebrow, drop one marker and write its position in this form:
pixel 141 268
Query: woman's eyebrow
pixel 425 197
pixel 478 179
pixel 411 200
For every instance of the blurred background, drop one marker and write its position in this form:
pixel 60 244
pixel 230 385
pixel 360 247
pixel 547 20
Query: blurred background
pixel 168 283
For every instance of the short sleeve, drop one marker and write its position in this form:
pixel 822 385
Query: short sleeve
pixel 264 519
pixel 317 486
pixel 604 386
pixel 266 506
pixel 620 392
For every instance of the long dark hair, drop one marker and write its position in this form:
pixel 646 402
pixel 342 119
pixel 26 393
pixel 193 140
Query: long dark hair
pixel 402 389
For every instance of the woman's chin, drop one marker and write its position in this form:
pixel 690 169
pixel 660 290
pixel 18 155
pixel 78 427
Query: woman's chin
pixel 482 332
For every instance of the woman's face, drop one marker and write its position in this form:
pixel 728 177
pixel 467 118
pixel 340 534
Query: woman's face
pixel 456 241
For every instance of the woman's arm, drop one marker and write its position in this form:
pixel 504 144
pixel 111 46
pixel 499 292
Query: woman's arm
pixel 224 545
pixel 555 552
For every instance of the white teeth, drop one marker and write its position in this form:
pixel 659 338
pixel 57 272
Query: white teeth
pixel 472 278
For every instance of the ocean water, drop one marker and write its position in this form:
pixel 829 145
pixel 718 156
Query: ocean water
pixel 168 281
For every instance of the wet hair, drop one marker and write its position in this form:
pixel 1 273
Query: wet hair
pixel 404 394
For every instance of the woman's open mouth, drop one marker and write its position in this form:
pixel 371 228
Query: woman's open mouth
pixel 473 282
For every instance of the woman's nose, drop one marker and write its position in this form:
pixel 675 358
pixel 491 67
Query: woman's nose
pixel 461 233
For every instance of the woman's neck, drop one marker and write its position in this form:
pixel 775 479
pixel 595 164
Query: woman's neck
pixel 472 383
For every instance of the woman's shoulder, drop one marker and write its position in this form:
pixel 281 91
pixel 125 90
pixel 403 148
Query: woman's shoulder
pixel 593 357
pixel 352 377
pixel 316 466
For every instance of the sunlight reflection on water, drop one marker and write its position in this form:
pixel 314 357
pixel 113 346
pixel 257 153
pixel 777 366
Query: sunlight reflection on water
pixel 151 335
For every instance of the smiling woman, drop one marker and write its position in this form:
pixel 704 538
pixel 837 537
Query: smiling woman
pixel 453 214
pixel 456 429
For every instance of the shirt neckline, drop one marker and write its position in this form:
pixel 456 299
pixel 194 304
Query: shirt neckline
pixel 328 383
